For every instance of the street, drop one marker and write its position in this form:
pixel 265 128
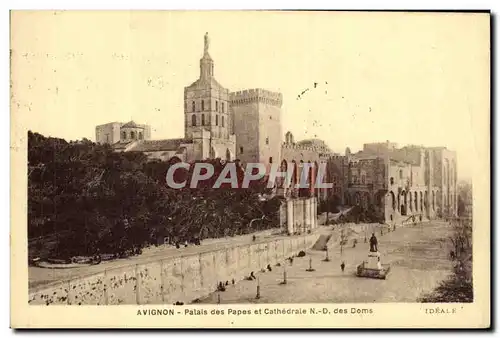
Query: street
pixel 418 256
pixel 38 276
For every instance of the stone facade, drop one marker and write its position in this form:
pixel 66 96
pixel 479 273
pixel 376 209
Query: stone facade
pixel 121 132
pixel 400 182
pixel 247 126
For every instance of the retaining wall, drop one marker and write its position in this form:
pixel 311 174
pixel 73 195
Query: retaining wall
pixel 167 281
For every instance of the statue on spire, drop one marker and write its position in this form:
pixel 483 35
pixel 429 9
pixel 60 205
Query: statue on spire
pixel 207 42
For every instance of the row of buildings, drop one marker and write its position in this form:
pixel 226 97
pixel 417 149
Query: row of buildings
pixel 246 126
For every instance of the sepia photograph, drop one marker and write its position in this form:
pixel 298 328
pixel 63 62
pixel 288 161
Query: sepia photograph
pixel 300 163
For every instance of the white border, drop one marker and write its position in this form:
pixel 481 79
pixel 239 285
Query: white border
pixel 186 4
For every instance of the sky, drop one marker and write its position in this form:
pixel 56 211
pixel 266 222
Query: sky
pixel 410 78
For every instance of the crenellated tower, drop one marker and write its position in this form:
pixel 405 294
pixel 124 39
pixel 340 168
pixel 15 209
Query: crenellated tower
pixel 257 125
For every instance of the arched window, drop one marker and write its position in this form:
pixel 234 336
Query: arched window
pixel 124 135
pixel 132 135
pixel 216 120
pixel 202 105
pixel 416 201
pixel 203 119
pixel 393 201
pixel 193 120
pixel 392 180
pixel 193 106
pixel 222 120
pixel 270 160
pixel 140 135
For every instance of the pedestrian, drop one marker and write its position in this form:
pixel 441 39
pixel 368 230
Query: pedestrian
pixel 342 266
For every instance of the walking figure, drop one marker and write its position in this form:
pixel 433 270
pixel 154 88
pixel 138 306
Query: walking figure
pixel 342 266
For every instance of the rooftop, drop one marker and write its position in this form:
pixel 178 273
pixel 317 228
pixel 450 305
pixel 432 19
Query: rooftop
pixel 160 145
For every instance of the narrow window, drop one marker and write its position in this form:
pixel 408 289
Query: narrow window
pixel 270 160
pixel 267 140
pixel 193 106
pixel 401 174
pixel 132 135
pixel 241 150
pixel 222 107
pixel 203 119
pixel 193 120
pixel 202 105
pixel 222 120
pixel 124 135
pixel 216 120
pixel 216 106
pixel 140 135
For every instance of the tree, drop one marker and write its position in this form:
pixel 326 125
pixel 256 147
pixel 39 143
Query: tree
pixel 93 199
pixel 464 197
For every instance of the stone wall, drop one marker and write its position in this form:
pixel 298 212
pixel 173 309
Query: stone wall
pixel 183 278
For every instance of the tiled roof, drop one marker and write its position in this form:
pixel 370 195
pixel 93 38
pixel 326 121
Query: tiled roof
pixel 131 124
pixel 121 145
pixel 202 83
pixel 159 145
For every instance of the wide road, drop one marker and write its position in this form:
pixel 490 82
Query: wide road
pixel 418 256
pixel 38 277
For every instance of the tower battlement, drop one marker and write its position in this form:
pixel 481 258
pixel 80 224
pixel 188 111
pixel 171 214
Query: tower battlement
pixel 256 95
pixel 338 157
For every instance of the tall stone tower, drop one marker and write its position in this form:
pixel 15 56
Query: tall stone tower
pixel 257 125
pixel 207 121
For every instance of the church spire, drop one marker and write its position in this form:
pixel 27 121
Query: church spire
pixel 206 62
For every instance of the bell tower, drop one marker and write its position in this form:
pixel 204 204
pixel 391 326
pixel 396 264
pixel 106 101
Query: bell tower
pixel 206 62
pixel 207 116
pixel 206 102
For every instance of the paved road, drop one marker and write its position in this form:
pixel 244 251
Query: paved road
pixel 418 256
pixel 42 276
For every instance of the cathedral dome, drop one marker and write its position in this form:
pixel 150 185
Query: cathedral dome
pixel 316 143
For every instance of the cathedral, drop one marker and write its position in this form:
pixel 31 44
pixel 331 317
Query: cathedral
pixel 398 183
pixel 243 125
